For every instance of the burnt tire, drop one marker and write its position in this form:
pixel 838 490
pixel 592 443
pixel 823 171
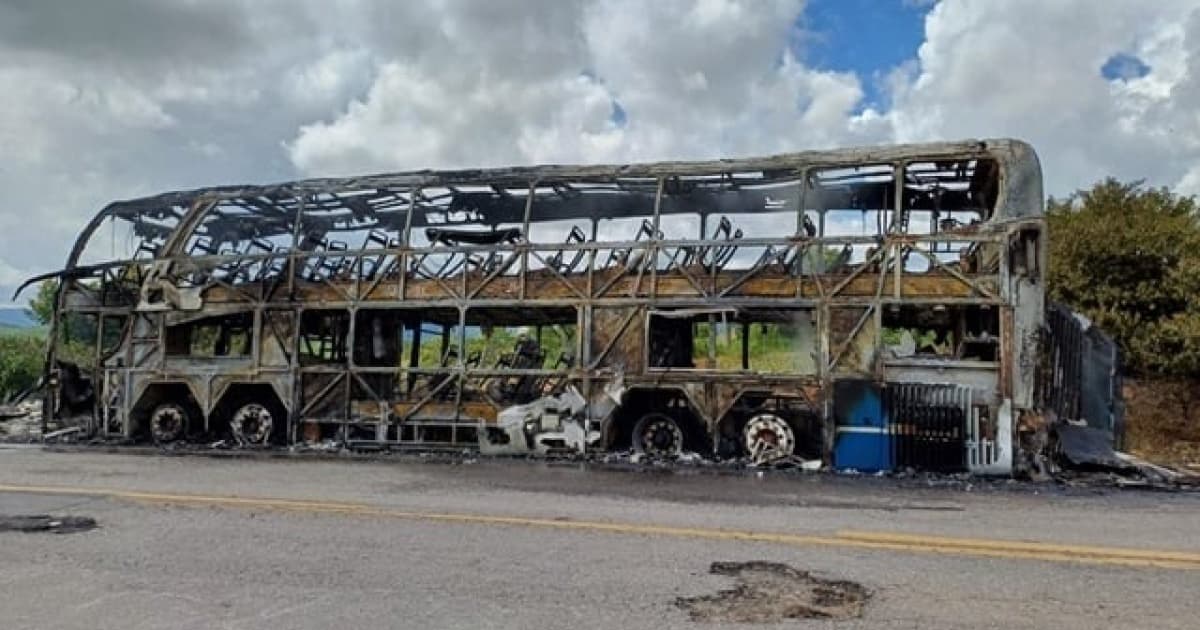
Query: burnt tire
pixel 168 422
pixel 658 435
pixel 768 436
pixel 252 424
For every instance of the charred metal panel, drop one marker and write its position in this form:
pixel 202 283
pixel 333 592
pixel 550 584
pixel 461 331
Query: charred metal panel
pixel 1101 404
pixel 928 424
pixel 1080 377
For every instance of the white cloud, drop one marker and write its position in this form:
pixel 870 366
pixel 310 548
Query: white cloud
pixel 132 98
pixel 1031 69
pixel 694 79
pixel 141 96
pixel 322 84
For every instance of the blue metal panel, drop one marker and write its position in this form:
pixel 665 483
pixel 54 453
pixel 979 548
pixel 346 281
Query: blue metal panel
pixel 858 404
pixel 863 441
pixel 866 449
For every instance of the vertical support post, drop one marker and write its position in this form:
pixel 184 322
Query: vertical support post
pixel 652 250
pixel 745 345
pixel 293 266
pixel 591 261
pixel 897 254
pixel 820 257
pixel 294 418
pixel 414 355
pixel 351 343
pixel 712 342
pixel 829 424
pixel 802 185
pixel 711 276
pixel 801 250
pixel 99 409
pixel 1007 364
pixel 256 338
pixel 584 357
pixel 524 245
pixel 347 352
pixel 460 373
pixel 406 244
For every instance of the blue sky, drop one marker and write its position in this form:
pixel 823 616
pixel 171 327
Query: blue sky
pixel 866 37
pixel 872 37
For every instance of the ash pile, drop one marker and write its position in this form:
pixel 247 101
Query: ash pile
pixel 21 421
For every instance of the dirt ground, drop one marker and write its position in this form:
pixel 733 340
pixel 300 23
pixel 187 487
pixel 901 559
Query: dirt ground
pixel 1162 421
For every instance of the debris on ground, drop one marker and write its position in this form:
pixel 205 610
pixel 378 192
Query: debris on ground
pixel 1071 455
pixel 1086 457
pixel 44 523
pixel 21 422
pixel 325 446
pixel 1086 446
pixel 62 435
pixel 770 592
pixel 789 462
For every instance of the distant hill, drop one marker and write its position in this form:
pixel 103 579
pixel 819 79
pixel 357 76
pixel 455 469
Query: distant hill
pixel 17 318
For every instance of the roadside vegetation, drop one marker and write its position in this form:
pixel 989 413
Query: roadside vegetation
pixel 21 354
pixel 23 350
pixel 1127 256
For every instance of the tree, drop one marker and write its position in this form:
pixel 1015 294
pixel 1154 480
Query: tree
pixel 76 332
pixel 41 305
pixel 1128 257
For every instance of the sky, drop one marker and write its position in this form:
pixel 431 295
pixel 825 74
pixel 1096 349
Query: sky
pixel 126 98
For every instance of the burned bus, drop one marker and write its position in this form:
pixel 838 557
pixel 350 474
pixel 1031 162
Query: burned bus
pixel 869 308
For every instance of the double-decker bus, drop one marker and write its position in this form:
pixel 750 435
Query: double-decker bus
pixel 870 308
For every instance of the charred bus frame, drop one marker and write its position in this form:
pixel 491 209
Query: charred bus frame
pixel 367 310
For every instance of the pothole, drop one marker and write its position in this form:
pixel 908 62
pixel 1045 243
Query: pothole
pixel 768 592
pixel 44 523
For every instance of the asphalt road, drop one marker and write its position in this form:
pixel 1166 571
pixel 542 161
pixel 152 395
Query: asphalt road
pixel 196 542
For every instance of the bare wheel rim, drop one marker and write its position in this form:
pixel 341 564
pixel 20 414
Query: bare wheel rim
pixel 251 424
pixel 659 435
pixel 768 436
pixel 167 423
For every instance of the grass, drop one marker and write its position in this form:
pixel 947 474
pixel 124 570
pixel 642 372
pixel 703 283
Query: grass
pixel 19 331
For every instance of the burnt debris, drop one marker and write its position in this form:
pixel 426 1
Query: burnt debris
pixel 46 524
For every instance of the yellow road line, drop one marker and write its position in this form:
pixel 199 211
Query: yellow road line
pixel 970 547
pixel 1030 546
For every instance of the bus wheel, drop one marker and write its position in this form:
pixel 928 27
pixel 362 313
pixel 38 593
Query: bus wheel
pixel 658 435
pixel 251 424
pixel 168 421
pixel 768 437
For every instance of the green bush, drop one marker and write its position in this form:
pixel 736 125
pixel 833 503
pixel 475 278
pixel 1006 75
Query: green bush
pixel 21 357
pixel 1128 257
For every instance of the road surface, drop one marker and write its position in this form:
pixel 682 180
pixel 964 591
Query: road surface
pixel 199 542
